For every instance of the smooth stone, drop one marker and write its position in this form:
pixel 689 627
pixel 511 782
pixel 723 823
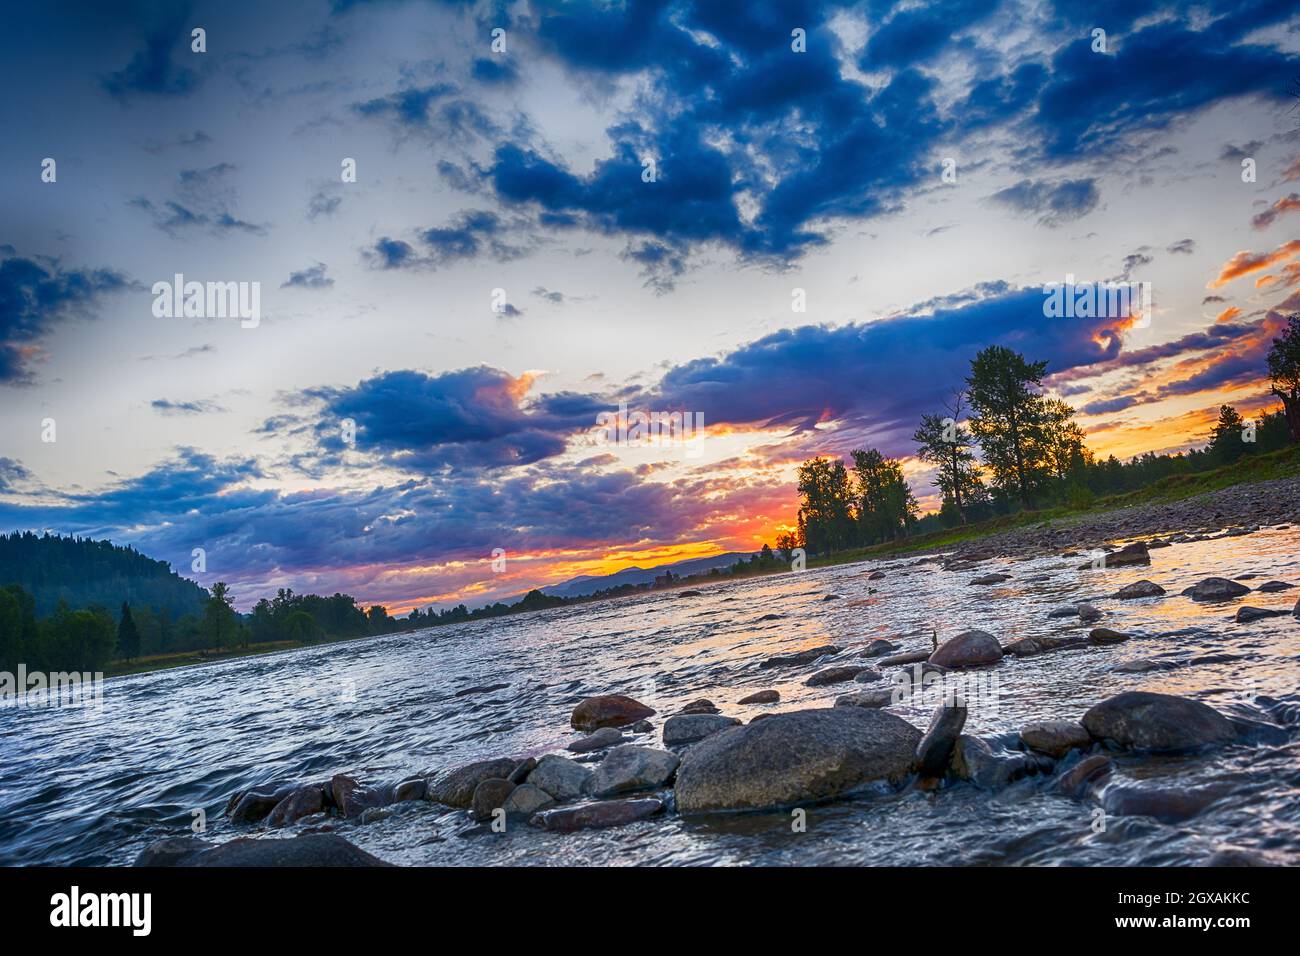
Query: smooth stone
pixel 935 748
pixel 1137 720
pixel 562 778
pixel 1216 589
pixel 761 697
pixel 974 760
pixel 1139 589
pixel 525 800
pixel 1166 804
pixel 629 767
pixel 352 800
pixel 968 649
pixel 868 675
pixel 879 648
pixel 254 805
pixel 1088 613
pixel 642 727
pixel 1143 666
pixel 602 739
pixel 609 710
pixel 799 657
pixel 1065 610
pixel 306 849
pixel 866 698
pixel 701 706
pixel 796 757
pixel 834 675
pixel 591 816
pixel 521 772
pixel 911 657
pixel 1056 737
pixel 456 788
pixel 1105 636
pixel 875 575
pixel 1084 775
pixel 1135 553
pixel 489 796
pixel 995 578
pixel 1246 614
pixel 1033 646
pixel 413 789
pixel 1272 587
pixel 688 728
pixel 303 802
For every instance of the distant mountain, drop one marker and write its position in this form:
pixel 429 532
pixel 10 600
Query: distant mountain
pixel 590 584
pixel 84 572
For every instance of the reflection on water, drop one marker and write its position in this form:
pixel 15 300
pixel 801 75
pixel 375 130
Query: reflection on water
pixel 93 787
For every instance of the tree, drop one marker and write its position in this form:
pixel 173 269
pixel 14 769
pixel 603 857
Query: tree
pixel 786 542
pixel 947 444
pixel 128 636
pixel 1009 419
pixel 826 505
pixel 885 505
pixel 1284 371
pixel 1227 440
pixel 1064 452
pixel 219 620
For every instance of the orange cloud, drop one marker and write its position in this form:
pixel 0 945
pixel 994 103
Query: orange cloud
pixel 1228 314
pixel 1246 262
pixel 1286 204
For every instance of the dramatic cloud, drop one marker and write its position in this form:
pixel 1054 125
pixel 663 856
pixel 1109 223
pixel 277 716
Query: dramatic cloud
pixel 1052 203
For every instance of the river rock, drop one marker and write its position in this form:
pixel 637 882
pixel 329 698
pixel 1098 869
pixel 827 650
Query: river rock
pixel 1246 613
pixel 561 777
pixel 975 761
pixel 1216 589
pixel 875 575
pixel 602 739
pixel 701 706
pixel 1088 613
pixel 795 758
pixel 415 788
pixel 1272 587
pixel 866 698
pixel 911 657
pixel 1056 738
pixel 1139 589
pixel 1087 774
pixel 642 727
pixel 834 675
pixel 1166 804
pixel 253 805
pixel 1033 646
pixel 1135 553
pixel 525 800
pixel 688 728
pixel 761 697
pixel 351 800
pixel 1104 636
pixel 935 748
pixel 968 649
pixel 605 813
pixel 304 850
pixel 1143 666
pixel 799 657
pixel 456 788
pixel 609 710
pixel 1137 720
pixel 522 770
pixel 1065 610
pixel 868 675
pixel 489 796
pixel 303 802
pixel 629 767
pixel 879 648
pixel 995 578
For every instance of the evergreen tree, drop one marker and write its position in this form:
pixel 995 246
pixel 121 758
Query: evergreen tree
pixel 128 636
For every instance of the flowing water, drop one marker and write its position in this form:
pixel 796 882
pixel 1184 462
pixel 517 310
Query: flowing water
pixel 92 787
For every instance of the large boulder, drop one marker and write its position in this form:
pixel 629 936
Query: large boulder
pixel 608 710
pixel 630 767
pixel 688 728
pixel 935 748
pixel 1138 720
pixel 797 757
pixel 561 777
pixel 456 788
pixel 1216 589
pixel 968 649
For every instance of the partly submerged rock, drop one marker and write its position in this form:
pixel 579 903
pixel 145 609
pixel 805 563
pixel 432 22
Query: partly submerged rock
pixel 1246 613
pixel 1088 613
pixel 1135 553
pixel 797 757
pixel 935 748
pixel 1105 636
pixel 799 657
pixel 302 802
pixel 602 739
pixel 1138 720
pixel 975 760
pixel 629 767
pixel 968 649
pixel 835 675
pixel 1166 804
pixel 688 728
pixel 1272 587
pixel 604 813
pixel 249 806
pixel 701 706
pixel 1139 589
pixel 1033 646
pixel 455 788
pixel 879 648
pixel 525 800
pixel 1056 738
pixel 910 657
pixel 994 578
pixel 307 849
pixel 761 697
pixel 1216 589
pixel 490 796
pixel 608 710
pixel 869 698
pixel 1084 776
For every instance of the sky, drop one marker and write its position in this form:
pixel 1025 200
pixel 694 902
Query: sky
pixel 795 222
